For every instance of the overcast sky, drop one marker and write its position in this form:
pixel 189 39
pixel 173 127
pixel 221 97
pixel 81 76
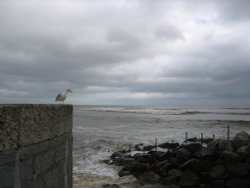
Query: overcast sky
pixel 125 51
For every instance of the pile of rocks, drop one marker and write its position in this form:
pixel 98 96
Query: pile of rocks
pixel 217 164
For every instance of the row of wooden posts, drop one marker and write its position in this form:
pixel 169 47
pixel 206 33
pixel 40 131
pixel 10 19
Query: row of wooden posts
pixel 186 138
pixel 228 134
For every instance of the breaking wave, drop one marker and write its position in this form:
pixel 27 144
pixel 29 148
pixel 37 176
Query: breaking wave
pixel 174 111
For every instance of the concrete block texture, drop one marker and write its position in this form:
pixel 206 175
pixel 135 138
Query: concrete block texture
pixel 9 123
pixel 28 124
pixel 36 146
pixel 42 122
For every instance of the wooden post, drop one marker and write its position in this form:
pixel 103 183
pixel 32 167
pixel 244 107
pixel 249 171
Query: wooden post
pixel 201 137
pixel 213 136
pixel 186 136
pixel 156 144
pixel 228 132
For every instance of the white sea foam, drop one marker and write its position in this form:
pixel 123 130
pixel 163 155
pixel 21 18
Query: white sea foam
pixel 173 111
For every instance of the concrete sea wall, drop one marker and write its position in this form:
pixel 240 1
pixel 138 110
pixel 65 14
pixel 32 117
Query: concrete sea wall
pixel 36 146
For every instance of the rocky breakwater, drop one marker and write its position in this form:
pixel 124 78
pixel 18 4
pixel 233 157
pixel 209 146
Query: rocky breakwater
pixel 217 164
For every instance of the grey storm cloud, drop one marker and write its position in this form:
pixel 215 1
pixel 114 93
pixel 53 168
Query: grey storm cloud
pixel 168 33
pixel 125 52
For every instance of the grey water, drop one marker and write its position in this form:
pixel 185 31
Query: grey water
pixel 100 130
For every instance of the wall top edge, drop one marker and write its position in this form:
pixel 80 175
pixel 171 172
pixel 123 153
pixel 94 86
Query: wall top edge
pixel 24 104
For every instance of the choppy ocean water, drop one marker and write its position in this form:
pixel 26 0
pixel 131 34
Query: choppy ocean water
pixel 100 130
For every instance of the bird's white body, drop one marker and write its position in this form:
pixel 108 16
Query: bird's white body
pixel 62 96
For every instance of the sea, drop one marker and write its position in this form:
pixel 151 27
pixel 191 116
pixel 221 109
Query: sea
pixel 101 130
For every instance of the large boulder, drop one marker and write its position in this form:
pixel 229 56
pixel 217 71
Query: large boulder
pixel 230 157
pixel 169 145
pixel 183 154
pixel 122 161
pixel 157 155
pixel 118 154
pixel 126 170
pixel 188 178
pixel 170 180
pixel 139 168
pixel 244 152
pixel 203 166
pixel 174 172
pixel 218 172
pixel 192 139
pixel 166 155
pixel 149 178
pixel 207 153
pixel 123 172
pixel 163 167
pixel 144 157
pixel 221 145
pixel 192 147
pixel 207 140
pixel 241 139
pixel 148 148
pixel 191 164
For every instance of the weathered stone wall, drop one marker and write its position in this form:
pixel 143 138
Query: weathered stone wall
pixel 36 146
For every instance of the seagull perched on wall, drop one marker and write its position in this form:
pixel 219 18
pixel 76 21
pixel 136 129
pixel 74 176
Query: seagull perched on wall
pixel 62 96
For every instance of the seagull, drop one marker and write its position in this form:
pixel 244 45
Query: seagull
pixel 62 96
